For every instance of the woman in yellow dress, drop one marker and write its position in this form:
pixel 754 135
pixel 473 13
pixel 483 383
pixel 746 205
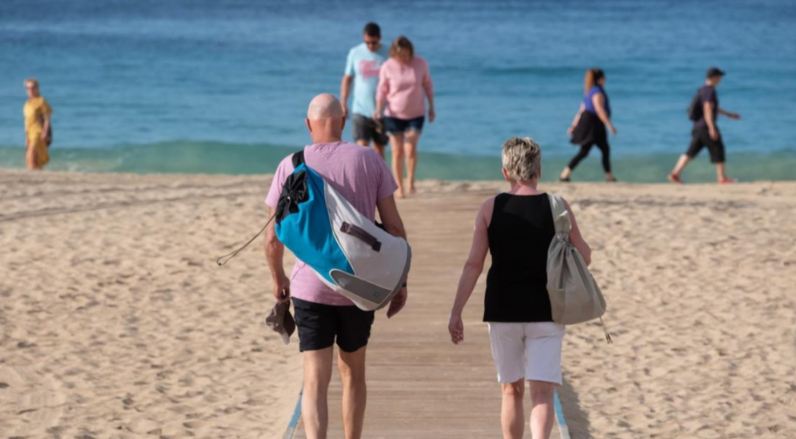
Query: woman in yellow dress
pixel 37 126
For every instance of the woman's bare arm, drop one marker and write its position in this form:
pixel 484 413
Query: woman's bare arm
pixel 576 238
pixel 472 270
pixel 576 119
pixel 599 106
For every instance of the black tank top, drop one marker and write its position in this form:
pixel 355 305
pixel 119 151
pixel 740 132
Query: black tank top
pixel 519 235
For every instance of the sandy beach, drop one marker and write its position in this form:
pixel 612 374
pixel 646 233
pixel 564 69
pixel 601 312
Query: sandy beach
pixel 116 322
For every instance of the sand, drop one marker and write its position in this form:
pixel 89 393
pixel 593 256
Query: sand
pixel 116 322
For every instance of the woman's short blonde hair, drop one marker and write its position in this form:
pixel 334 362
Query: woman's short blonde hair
pixel 522 158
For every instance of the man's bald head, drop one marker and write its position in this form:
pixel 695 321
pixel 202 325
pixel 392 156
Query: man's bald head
pixel 324 106
pixel 325 119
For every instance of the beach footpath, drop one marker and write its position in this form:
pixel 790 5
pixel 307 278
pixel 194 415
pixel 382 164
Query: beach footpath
pixel 116 322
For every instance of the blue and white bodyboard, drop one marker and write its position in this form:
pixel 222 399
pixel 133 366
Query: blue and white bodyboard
pixel 347 251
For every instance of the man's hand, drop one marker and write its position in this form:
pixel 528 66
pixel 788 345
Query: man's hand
pixel 612 128
pixel 714 134
pixel 397 303
pixel 456 328
pixel 345 110
pixel 282 289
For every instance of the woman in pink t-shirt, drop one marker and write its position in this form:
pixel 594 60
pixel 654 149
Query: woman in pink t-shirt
pixel 404 85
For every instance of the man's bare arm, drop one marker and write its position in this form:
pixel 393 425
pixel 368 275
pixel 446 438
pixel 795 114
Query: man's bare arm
pixel 730 114
pixel 388 212
pixel 274 254
pixel 707 111
pixel 345 91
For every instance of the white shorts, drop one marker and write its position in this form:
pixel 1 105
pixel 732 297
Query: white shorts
pixel 530 351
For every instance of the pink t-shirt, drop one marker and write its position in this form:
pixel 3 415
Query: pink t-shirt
pixel 404 88
pixel 360 175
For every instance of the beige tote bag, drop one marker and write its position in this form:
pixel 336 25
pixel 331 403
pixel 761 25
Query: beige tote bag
pixel 574 295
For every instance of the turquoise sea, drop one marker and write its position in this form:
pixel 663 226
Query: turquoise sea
pixel 221 86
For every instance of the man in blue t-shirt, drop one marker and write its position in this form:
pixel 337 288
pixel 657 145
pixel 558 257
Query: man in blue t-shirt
pixel 704 111
pixel 362 66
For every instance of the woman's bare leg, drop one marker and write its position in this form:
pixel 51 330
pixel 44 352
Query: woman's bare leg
pixel 512 415
pixel 396 142
pixel 30 159
pixel 541 408
pixel 411 138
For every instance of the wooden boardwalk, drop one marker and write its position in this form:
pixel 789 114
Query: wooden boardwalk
pixel 419 384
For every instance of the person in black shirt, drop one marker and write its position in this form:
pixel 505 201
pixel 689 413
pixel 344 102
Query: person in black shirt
pixel 704 111
pixel 516 227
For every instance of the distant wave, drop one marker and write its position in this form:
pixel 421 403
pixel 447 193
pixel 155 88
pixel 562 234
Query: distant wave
pixel 210 157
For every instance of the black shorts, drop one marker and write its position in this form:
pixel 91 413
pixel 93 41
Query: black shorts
pixel 394 125
pixel 320 325
pixel 700 138
pixel 368 130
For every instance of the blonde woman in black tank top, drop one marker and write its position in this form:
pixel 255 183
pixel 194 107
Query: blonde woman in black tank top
pixel 516 227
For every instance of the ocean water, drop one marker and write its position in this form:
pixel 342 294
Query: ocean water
pixel 222 86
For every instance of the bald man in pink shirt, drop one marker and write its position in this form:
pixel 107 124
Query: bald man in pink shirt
pixel 404 85
pixel 323 317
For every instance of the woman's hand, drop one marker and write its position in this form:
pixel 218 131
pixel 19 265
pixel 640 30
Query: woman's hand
pixel 612 128
pixel 456 328
pixel 431 114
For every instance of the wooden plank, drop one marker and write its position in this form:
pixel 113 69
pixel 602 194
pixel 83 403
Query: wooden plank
pixel 419 384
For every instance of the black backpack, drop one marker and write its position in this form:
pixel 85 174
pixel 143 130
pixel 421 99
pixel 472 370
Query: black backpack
pixel 694 110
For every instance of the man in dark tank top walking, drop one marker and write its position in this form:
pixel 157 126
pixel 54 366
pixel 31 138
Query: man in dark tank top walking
pixel 704 111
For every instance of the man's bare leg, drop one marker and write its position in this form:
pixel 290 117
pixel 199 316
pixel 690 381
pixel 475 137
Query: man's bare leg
pixel 352 374
pixel 512 414
pixel 721 174
pixel 410 149
pixel 314 407
pixel 396 142
pixel 379 148
pixel 541 409
pixel 674 176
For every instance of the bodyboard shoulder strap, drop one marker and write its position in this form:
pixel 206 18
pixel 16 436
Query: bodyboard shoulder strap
pixel 298 158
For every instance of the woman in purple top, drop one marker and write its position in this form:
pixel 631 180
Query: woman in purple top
pixel 590 123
